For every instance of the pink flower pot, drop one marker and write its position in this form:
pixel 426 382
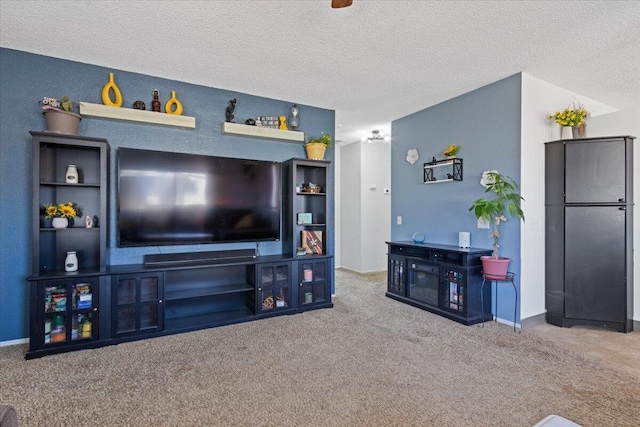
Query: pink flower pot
pixel 495 268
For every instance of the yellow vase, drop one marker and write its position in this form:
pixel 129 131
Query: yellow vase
pixel 106 96
pixel 171 102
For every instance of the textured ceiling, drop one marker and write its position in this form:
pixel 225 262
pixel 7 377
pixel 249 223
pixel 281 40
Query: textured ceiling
pixel 372 62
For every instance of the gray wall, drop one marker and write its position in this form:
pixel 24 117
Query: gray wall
pixel 486 123
pixel 25 78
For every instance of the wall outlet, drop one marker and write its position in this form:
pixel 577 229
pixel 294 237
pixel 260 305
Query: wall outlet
pixel 399 220
pixel 483 223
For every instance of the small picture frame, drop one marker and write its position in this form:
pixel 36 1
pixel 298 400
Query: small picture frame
pixel 305 218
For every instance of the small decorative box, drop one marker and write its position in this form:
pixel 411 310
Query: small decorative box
pixel 305 218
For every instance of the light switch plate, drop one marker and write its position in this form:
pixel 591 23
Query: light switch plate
pixel 483 223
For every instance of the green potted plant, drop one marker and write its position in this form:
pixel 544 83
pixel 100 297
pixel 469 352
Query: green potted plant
pixel 506 200
pixel 316 147
pixel 60 115
pixel 574 116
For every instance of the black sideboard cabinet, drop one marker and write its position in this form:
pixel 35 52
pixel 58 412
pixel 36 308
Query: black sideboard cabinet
pixel 442 279
pixel 589 232
pixel 100 305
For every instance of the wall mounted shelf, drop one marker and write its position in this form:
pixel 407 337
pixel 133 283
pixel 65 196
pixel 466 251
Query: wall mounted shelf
pixel 261 132
pixel 130 114
pixel 451 170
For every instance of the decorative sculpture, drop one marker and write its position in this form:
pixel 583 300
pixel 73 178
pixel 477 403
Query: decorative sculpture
pixel 283 123
pixel 106 96
pixel 88 221
pixel 230 109
pixel 139 105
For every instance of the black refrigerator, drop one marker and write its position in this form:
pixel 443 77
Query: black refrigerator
pixel 589 232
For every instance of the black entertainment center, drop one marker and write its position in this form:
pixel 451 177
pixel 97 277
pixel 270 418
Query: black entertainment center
pixel 102 304
pixel 442 279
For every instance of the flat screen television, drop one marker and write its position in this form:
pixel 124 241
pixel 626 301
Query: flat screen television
pixel 169 198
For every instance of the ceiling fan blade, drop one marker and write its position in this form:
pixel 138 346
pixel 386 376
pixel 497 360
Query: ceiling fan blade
pixel 336 4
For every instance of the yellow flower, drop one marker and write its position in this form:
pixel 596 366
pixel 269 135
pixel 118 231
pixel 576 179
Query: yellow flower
pixel 67 211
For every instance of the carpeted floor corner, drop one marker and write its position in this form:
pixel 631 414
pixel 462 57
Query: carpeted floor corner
pixel 369 361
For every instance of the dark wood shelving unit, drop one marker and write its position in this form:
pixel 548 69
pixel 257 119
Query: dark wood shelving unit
pixel 139 301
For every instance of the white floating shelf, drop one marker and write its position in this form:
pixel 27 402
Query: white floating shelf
pixel 261 132
pixel 130 114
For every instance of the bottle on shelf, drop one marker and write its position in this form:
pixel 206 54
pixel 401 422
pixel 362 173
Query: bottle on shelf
pixel 71 262
pixel 155 104
pixel 71 175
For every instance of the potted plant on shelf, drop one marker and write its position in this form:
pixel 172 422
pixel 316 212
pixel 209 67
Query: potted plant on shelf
pixel 60 116
pixel 61 213
pixel 574 116
pixel 505 200
pixel 451 151
pixel 317 146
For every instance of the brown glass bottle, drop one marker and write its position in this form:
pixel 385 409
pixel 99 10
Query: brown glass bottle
pixel 155 104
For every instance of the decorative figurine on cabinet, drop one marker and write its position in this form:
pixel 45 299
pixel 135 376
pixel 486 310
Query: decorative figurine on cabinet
pixel 250 122
pixel 230 109
pixel 88 221
pixel 155 104
pixel 283 123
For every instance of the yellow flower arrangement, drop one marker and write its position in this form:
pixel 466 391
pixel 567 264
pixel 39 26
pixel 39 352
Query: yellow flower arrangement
pixel 574 115
pixel 451 150
pixel 61 210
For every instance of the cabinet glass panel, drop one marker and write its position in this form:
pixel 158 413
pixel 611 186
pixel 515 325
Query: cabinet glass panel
pixel 55 329
pixel 266 278
pixel 455 294
pixel 282 275
pixel 266 296
pixel 55 298
pixel 126 319
pixel 307 272
pixel 126 291
pixel 148 289
pixel 307 294
pixel 82 297
pixel 318 292
pixel 282 297
pixel 395 279
pixel 82 326
pixel 148 316
pixel 319 271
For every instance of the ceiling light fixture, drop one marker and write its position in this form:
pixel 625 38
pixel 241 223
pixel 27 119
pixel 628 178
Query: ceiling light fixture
pixel 376 135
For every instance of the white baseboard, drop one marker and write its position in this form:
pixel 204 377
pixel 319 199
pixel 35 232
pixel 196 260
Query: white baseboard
pixel 506 322
pixel 14 342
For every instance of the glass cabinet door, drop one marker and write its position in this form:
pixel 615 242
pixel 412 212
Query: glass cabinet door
pixel 70 310
pixel 313 283
pixel 396 275
pixel 455 293
pixel 137 304
pixel 274 287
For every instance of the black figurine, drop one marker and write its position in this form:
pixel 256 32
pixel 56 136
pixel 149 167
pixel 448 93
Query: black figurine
pixel 250 122
pixel 139 105
pixel 230 108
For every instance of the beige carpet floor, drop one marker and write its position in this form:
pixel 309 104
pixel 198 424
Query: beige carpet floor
pixel 369 361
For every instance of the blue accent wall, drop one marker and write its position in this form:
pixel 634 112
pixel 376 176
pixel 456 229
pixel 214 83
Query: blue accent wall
pixel 25 78
pixel 486 124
